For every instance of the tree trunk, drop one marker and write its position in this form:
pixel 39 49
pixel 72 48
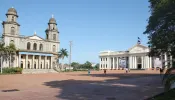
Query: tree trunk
pixel 62 64
pixel 1 64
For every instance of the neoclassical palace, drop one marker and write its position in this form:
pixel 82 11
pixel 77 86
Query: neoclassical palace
pixel 133 58
pixel 34 52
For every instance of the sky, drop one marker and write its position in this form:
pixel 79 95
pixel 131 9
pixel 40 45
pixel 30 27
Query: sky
pixel 92 25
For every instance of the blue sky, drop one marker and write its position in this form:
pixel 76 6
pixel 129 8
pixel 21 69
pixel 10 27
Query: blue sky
pixel 92 25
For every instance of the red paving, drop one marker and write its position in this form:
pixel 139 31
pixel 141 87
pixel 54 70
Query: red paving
pixel 116 85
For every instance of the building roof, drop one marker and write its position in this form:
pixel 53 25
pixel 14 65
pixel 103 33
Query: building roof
pixel 52 21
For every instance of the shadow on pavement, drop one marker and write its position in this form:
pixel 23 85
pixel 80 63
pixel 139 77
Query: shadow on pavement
pixel 129 89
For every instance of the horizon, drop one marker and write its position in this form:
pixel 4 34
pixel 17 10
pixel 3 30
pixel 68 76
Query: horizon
pixel 93 26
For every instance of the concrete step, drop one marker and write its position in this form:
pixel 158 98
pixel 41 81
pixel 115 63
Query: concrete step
pixel 33 71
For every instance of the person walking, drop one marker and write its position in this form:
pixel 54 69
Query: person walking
pixel 89 71
pixel 105 71
pixel 126 69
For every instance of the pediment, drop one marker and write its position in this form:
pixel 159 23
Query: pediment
pixel 35 37
pixel 138 49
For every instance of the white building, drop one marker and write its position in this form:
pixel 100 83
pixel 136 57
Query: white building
pixel 134 58
pixel 34 54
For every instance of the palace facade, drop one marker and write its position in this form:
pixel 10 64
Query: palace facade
pixel 34 54
pixel 133 58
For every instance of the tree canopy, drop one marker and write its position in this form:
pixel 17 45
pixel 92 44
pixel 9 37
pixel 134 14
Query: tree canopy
pixel 161 27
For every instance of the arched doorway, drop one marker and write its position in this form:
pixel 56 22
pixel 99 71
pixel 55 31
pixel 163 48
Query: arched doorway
pixel 139 63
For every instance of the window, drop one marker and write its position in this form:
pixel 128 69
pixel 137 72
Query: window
pixel 47 66
pixel 54 37
pixel 106 59
pixel 101 59
pixel 41 47
pixel 46 36
pixel 35 57
pixel 106 65
pixel 28 46
pixel 12 18
pixel 35 46
pixel 12 41
pixel 54 48
pixel 12 30
pixel 21 56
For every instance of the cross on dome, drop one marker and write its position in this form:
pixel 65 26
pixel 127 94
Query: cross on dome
pixel 52 15
pixel 35 33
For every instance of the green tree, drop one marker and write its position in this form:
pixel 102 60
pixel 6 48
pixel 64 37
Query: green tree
pixel 62 54
pixel 75 65
pixel 11 50
pixel 161 27
pixel 2 52
pixel 97 66
pixel 87 65
pixel 161 32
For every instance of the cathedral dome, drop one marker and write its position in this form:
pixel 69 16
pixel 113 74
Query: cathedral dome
pixel 52 21
pixel 12 11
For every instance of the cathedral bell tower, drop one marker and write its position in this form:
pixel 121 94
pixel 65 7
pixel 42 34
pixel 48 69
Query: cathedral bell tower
pixel 52 30
pixel 10 26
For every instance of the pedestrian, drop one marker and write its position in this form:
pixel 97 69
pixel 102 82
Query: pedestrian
pixel 126 69
pixel 105 71
pixel 89 71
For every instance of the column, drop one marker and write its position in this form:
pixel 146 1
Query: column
pixel 130 62
pixel 171 62
pixel 19 63
pixel 45 58
pixel 113 62
pixel 32 67
pixel 117 63
pixel 142 61
pixel 144 66
pixel 100 64
pixel 51 63
pixel 39 62
pixel 135 62
pixel 26 62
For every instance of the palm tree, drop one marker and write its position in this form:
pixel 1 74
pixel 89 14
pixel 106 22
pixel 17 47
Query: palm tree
pixel 2 52
pixel 62 54
pixel 11 50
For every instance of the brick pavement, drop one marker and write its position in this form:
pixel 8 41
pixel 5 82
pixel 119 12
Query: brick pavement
pixel 116 85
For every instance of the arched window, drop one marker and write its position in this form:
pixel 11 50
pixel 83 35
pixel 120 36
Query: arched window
pixel 34 46
pixel 21 64
pixel 28 65
pixel 54 37
pixel 41 47
pixel 35 65
pixel 12 30
pixel 28 46
pixel 54 48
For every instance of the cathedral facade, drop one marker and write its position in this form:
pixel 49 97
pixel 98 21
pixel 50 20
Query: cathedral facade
pixel 33 52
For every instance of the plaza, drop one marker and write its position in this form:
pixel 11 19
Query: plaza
pixel 116 85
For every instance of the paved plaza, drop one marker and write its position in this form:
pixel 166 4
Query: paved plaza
pixel 116 85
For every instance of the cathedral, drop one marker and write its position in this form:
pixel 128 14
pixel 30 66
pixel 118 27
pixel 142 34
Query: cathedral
pixel 34 54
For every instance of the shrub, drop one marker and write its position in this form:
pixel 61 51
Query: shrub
pixel 12 70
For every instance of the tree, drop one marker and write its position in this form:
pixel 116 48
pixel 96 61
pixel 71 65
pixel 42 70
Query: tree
pixel 2 52
pixel 87 65
pixel 11 50
pixel 161 33
pixel 97 66
pixel 62 54
pixel 161 27
pixel 75 65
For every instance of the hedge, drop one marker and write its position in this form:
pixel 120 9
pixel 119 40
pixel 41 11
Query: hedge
pixel 12 70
